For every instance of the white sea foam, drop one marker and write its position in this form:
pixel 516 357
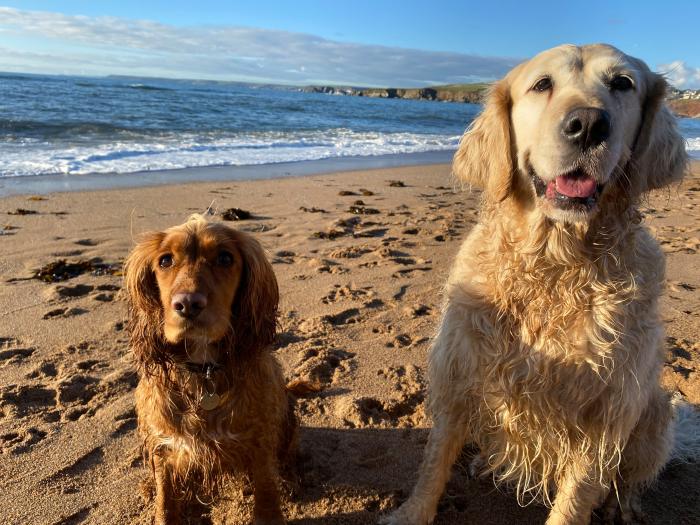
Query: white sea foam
pixel 693 147
pixel 171 152
pixel 32 157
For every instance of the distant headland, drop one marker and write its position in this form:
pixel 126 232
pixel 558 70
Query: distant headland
pixel 684 103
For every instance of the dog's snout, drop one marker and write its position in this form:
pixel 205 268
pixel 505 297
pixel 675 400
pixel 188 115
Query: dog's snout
pixel 586 127
pixel 189 305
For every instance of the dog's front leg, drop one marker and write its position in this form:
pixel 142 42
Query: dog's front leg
pixel 167 502
pixel 449 375
pixel 577 495
pixel 447 437
pixel 646 452
pixel 267 502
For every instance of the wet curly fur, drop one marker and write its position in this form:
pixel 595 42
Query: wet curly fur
pixel 253 428
pixel 550 345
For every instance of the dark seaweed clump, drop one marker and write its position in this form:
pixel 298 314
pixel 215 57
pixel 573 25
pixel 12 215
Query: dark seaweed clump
pixel 313 209
pixel 331 234
pixel 362 210
pixel 61 270
pixel 236 214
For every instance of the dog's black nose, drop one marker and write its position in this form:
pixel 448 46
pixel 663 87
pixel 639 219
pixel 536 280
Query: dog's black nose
pixel 586 127
pixel 189 305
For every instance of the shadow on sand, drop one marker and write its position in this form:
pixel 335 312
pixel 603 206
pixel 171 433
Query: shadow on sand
pixel 354 476
pixel 367 472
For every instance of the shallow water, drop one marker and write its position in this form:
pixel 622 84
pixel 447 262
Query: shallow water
pixel 78 125
pixel 75 125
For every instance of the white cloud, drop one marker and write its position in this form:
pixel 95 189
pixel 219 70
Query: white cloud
pixel 681 75
pixel 102 45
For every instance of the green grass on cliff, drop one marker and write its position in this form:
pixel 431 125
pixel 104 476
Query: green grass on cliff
pixel 454 88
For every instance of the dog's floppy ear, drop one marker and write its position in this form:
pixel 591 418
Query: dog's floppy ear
pixel 484 157
pixel 255 308
pixel 143 302
pixel 659 154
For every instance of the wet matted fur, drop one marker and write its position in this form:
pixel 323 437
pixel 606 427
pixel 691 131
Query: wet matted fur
pixel 550 345
pixel 252 428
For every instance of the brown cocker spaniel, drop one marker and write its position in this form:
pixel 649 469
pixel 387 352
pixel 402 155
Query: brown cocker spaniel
pixel 211 399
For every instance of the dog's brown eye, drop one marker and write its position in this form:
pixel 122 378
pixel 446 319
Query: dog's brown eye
pixel 543 84
pixel 224 259
pixel 621 83
pixel 165 261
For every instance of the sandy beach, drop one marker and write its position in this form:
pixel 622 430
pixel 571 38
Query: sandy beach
pixel 361 297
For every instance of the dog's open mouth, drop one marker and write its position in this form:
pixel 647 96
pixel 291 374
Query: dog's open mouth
pixel 574 190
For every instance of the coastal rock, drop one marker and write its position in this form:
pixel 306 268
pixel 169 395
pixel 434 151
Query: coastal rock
pixel 471 93
pixel 685 107
pixel 684 103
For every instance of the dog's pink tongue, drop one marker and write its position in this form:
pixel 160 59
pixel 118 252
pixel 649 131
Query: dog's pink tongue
pixel 573 186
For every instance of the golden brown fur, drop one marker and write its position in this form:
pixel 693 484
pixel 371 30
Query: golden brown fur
pixel 550 344
pixel 252 428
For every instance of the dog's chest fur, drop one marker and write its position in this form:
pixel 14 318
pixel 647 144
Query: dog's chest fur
pixel 174 416
pixel 560 340
pixel 550 295
pixel 172 420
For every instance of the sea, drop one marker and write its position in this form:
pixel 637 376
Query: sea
pixel 59 125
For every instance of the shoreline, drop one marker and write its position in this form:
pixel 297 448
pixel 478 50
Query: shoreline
pixel 58 183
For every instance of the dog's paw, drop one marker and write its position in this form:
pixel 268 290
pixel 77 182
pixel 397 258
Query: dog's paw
pixel 629 513
pixel 402 516
pixel 390 519
pixel 617 517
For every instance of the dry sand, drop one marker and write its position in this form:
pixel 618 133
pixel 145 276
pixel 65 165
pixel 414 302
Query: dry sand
pixel 357 313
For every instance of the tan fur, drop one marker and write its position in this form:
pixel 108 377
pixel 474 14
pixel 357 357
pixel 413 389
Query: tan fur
pixel 253 428
pixel 550 344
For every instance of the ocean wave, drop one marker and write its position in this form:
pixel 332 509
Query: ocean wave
pixel 12 129
pixel 147 87
pixel 184 151
pixel 20 76
pixel 31 156
pixel 136 85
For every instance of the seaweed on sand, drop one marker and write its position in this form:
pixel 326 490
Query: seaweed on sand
pixel 62 270
pixel 236 214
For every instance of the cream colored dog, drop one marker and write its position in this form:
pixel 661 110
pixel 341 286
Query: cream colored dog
pixel 550 346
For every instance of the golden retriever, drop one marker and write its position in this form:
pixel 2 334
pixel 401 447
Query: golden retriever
pixel 550 345
pixel 211 398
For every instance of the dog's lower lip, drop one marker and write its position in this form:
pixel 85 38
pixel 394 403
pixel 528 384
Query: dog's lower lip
pixel 186 326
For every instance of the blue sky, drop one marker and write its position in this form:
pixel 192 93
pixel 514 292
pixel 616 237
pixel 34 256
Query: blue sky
pixel 358 42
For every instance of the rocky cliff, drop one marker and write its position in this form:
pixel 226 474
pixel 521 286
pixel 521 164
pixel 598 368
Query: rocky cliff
pixel 473 93
pixel 684 103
